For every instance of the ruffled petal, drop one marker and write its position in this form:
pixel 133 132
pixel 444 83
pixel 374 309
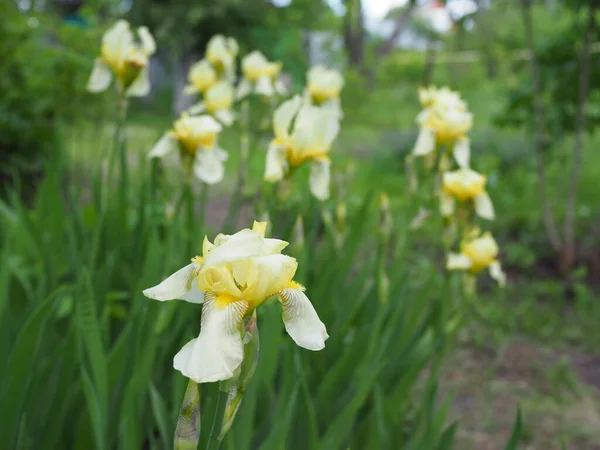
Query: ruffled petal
pixel 301 320
pixel 484 207
pixel 264 275
pixel 208 166
pixel 462 152
pixel 165 145
pixel 242 245
pixel 176 286
pixel 141 85
pixel 100 77
pixel 458 261
pixel 320 174
pixel 218 351
pixel 497 273
pixel 425 142
pixel 276 164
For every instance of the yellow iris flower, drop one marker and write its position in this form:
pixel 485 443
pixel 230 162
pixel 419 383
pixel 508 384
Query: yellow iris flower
pixel 324 87
pixel 478 252
pixel 218 101
pixel 260 76
pixel 443 121
pixel 125 59
pixel 236 274
pixel 193 143
pixel 465 185
pixel 201 77
pixel 303 133
pixel 221 52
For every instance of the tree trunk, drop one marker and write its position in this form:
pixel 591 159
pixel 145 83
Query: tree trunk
pixel 354 33
pixel 388 45
pixel 180 65
pixel 540 136
pixel 584 81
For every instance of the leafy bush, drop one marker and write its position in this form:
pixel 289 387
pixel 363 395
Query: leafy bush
pixel 43 81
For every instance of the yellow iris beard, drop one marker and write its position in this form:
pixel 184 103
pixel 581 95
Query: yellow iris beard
pixel 222 300
pixel 296 157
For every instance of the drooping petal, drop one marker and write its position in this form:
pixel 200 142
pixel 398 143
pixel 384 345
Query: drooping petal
pixel 224 116
pixel 194 295
pixel 218 351
pixel 141 86
pixel 264 87
pixel 301 320
pixel 282 118
pixel 165 145
pixel 208 167
pixel 276 164
pixel 447 204
pixel 100 77
pixel 176 286
pixel 320 174
pixel 462 152
pixel 425 142
pixel 497 273
pixel 243 89
pixel 458 261
pixel 484 207
pixel 148 43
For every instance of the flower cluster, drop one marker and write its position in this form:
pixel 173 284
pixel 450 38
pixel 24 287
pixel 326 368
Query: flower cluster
pixel 213 78
pixel 234 276
pixel 444 123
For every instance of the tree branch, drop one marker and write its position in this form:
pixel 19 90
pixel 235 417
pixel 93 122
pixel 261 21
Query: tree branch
pixel 388 45
pixel 549 223
pixel 584 82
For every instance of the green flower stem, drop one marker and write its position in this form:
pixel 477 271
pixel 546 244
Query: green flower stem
pixel 236 198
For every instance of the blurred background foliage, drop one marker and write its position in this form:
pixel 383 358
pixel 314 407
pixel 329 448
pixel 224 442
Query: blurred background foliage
pixel 85 359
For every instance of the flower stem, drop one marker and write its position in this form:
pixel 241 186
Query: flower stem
pixel 236 198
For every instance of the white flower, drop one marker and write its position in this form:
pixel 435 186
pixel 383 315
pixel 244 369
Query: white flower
pixel 218 101
pixel 466 185
pixel 193 142
pixel 260 76
pixel 478 253
pixel 125 59
pixel 221 52
pixel 308 139
pixel 237 273
pixel 444 120
pixel 323 88
pixel 202 76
